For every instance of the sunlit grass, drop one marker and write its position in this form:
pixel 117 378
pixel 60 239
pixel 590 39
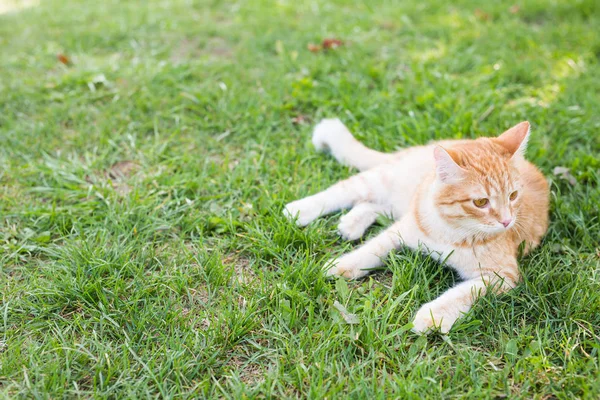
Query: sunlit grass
pixel 142 248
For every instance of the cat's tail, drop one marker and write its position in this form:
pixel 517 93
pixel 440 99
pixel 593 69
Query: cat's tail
pixel 333 136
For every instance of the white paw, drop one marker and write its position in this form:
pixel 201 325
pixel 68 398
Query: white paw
pixel 349 266
pixel 329 131
pixel 434 316
pixel 304 209
pixel 351 229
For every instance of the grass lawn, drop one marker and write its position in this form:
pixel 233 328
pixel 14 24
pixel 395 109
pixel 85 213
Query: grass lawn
pixel 147 149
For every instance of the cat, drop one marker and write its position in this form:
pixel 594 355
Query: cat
pixel 468 203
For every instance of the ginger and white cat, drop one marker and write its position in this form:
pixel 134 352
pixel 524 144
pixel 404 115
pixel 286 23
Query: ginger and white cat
pixel 470 203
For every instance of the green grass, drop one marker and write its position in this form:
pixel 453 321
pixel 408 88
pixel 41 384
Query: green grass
pixel 143 252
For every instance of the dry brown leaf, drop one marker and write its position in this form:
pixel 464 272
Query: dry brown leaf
pixel 63 59
pixel 331 44
pixel 315 48
pixel 514 9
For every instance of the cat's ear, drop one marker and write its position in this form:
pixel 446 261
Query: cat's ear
pixel 446 169
pixel 515 139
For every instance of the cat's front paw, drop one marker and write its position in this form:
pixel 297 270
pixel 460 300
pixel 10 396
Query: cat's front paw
pixel 434 315
pixel 348 266
pixel 304 209
pixel 329 131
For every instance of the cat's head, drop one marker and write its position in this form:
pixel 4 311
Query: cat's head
pixel 479 190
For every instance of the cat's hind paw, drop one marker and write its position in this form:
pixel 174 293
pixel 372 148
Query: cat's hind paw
pixel 433 316
pixel 346 267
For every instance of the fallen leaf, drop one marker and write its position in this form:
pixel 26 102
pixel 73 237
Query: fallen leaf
pixel 350 318
pixel 514 9
pixel 315 48
pixel 564 173
pixel 481 15
pixel 63 59
pixel 331 43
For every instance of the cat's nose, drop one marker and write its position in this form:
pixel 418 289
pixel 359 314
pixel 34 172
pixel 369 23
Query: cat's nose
pixel 506 222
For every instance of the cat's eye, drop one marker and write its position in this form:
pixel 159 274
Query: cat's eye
pixel 513 195
pixel 481 202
